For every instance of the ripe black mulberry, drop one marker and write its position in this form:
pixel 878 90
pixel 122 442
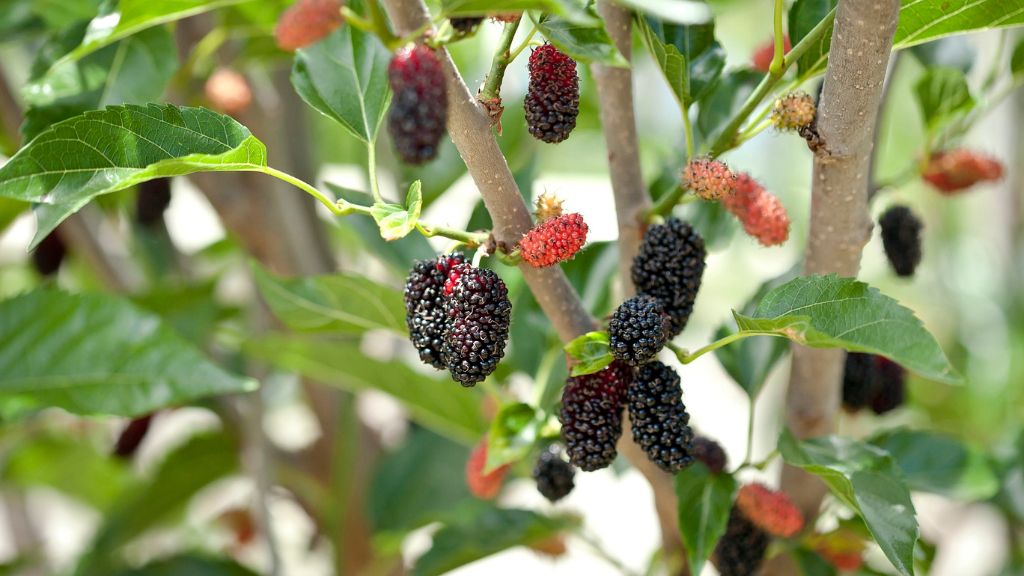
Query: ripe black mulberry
pixel 553 98
pixel 710 453
pixel 591 415
pixel 669 266
pixel 554 476
pixel 419 108
pixel 478 311
pixel 659 420
pixel 741 550
pixel 638 330
pixel 901 238
pixel 424 306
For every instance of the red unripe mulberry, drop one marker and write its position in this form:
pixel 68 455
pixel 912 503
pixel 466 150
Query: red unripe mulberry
pixel 955 170
pixel 553 241
pixel 228 91
pixel 483 486
pixel 762 214
pixel 306 22
pixel 707 178
pixel 770 510
pixel 419 108
pixel 553 98
pixel 762 58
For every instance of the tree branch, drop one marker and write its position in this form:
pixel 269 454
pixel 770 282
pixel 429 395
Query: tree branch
pixel 615 93
pixel 470 130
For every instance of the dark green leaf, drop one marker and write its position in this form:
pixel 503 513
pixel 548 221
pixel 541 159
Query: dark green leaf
pixel 570 9
pixel 98 354
pixel 705 71
pixel 9 211
pixel 725 99
pixel 437 403
pixel 345 77
pixel 866 479
pixel 513 433
pixel 811 564
pixel 934 463
pixel 833 312
pixel 704 503
pixel 585 43
pixel 335 303
pixel 943 95
pixel 482 530
pixel 100 152
pixel 191 310
pixel 804 15
pixel 191 565
pixel 589 353
pixel 688 56
pixel 59 14
pixel 924 20
pixel 1017 60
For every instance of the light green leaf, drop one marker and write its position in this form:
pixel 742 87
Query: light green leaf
pixel 396 222
pixel 924 20
pixel 943 95
pixel 99 354
pixel 192 565
pixel 100 152
pixel 1017 60
pixel 866 479
pixel 688 56
pixel 480 530
pixel 133 71
pixel 570 9
pixel 134 16
pixel 586 43
pixel 935 463
pixel 669 59
pixel 833 312
pixel 335 303
pixel 804 15
pixel 678 11
pixel 9 211
pixel 512 435
pixel 589 353
pixel 705 500
pixel 437 403
pixel 345 77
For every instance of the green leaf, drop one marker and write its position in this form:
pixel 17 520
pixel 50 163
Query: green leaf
pixel 437 403
pixel 1017 61
pixel 939 464
pixel 804 15
pixel 705 500
pixel 943 95
pixel 9 211
pixel 569 9
pixel 512 435
pixel 59 14
pixel 133 71
pixel 134 16
pixel 924 20
pixel 336 303
pixel 100 152
pixel 192 565
pixel 481 530
pixel 677 11
pixel 345 77
pixel 688 56
pixel 586 43
pixel 75 468
pixel 833 312
pixel 811 564
pixel 396 222
pixel 99 354
pixel 589 353
pixel 866 479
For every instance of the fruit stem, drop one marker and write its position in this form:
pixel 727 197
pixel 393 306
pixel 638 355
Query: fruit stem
pixel 529 37
pixel 778 59
pixel 750 432
pixel 666 203
pixel 727 139
pixel 471 239
pixel 502 58
pixel 371 168
pixel 688 129
pixel 685 356
pixel 357 21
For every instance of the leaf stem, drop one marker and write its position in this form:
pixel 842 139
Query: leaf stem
pixel 727 139
pixel 371 168
pixel 688 129
pixel 778 59
pixel 686 357
pixel 337 208
pixel 750 433
pixel 471 239
pixel 502 58
pixel 357 21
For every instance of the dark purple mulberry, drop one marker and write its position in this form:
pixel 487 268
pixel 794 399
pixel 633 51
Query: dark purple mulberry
pixel 901 238
pixel 638 330
pixel 478 312
pixel 419 108
pixel 710 453
pixel 424 306
pixel 741 550
pixel 669 266
pixel 554 476
pixel 872 381
pixel 49 254
pixel 890 390
pixel 553 98
pixel 591 415
pixel 658 416
pixel 465 25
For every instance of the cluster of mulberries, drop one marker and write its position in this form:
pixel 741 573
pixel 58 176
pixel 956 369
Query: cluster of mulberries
pixel 793 111
pixel 638 330
pixel 152 200
pixel 742 548
pixel 762 58
pixel 901 238
pixel 660 423
pixel 554 476
pixel 553 98
pixel 458 317
pixel 591 415
pixel 669 266
pixel 554 240
pixel 419 107
pixel 762 214
pixel 483 485
pixel 771 510
pixel 710 453
pixel 952 171
pixel 306 22
pixel 872 381
pixel 708 178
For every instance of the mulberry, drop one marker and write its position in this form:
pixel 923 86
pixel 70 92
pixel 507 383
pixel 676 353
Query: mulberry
pixel 228 91
pixel 591 415
pixel 901 238
pixel 424 306
pixel 669 266
pixel 465 26
pixel 553 241
pixel 553 98
pixel 483 486
pixel 770 510
pixel 762 214
pixel 793 111
pixel 858 380
pixel 49 254
pixel 152 200
pixel 890 390
pixel 306 22
pixel 762 58
pixel 554 475
pixel 419 108
pixel 741 550
pixel 478 313
pixel 873 381
pixel 710 453
pixel 547 206
pixel 952 171
pixel 638 330
pixel 659 418
pixel 707 178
